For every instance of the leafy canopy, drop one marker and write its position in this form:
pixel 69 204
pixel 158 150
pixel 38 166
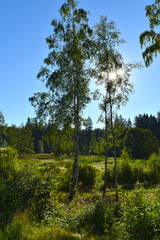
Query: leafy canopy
pixel 65 72
pixel 151 38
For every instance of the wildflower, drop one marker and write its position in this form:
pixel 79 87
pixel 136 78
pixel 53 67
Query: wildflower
pixel 137 182
pixel 63 205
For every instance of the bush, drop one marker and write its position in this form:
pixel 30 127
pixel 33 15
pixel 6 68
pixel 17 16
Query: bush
pixel 87 175
pixel 99 218
pixel 8 171
pixel 125 172
pixel 139 172
pixel 7 164
pixel 110 176
pixel 25 190
pixel 154 166
pixel 129 173
pixel 65 179
pixel 95 218
pixel 140 220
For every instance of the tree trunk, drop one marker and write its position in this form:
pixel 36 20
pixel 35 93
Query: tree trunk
pixel 114 147
pixel 106 153
pixel 75 173
pixel 115 161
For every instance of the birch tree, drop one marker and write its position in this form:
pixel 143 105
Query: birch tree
pixel 107 58
pixel 114 75
pixel 66 74
pixel 150 39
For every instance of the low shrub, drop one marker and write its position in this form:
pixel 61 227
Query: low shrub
pixel 27 191
pixel 23 187
pixel 128 173
pixel 125 173
pixel 110 176
pixel 87 175
pixel 154 166
pixel 140 219
pixel 94 219
pixel 99 218
pixel 139 172
pixel 7 164
pixel 65 179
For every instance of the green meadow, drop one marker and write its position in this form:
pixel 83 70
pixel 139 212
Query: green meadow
pixel 34 198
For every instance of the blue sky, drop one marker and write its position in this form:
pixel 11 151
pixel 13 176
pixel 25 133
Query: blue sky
pixel 26 24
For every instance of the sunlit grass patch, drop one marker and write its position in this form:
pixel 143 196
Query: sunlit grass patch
pixel 91 159
pixel 2 149
pixel 42 156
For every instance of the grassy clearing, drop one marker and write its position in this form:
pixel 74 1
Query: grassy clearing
pixel 91 159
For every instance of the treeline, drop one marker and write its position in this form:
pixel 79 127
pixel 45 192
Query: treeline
pixel 139 139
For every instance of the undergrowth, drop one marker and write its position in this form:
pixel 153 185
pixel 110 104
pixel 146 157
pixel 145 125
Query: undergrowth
pixel 34 200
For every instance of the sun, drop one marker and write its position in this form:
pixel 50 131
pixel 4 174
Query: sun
pixel 112 75
pixel 116 74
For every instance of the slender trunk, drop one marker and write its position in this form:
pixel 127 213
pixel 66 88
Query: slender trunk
pixel 114 147
pixel 106 153
pixel 74 137
pixel 75 173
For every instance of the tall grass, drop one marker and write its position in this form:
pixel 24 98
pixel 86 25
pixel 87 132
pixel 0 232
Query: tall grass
pixel 21 228
pixel 93 159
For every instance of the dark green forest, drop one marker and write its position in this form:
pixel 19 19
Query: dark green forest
pixel 35 137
